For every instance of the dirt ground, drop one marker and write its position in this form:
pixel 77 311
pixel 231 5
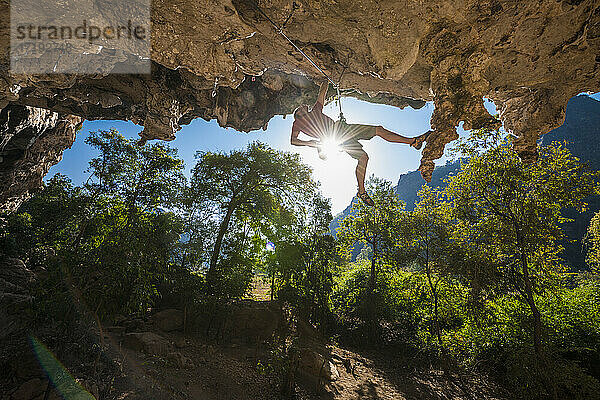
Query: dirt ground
pixel 379 376
pixel 208 372
pixel 147 362
pixel 197 369
pixel 230 373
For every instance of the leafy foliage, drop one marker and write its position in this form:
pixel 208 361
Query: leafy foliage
pixel 260 192
pixel 512 210
pixel 475 269
pixel 425 240
pixel 592 242
pixel 377 228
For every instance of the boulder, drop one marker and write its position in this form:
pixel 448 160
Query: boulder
pixel 168 320
pixel 136 324
pixel 148 342
pixel 315 364
pixel 179 360
pixel 253 322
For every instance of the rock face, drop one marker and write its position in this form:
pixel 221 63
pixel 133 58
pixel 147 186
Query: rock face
pixel 31 141
pixel 529 57
pixel 15 279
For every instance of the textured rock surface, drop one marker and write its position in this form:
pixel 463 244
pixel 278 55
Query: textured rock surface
pixel 253 321
pixel 148 342
pixel 313 363
pixel 529 57
pixel 31 141
pixel 15 279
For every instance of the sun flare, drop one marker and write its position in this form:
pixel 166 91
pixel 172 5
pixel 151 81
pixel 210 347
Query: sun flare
pixel 330 147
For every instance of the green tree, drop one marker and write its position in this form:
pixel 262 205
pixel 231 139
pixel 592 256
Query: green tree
pixel 512 210
pixel 424 238
pixel 114 239
pixel 255 186
pixel 376 227
pixel 303 263
pixel 146 176
pixel 592 243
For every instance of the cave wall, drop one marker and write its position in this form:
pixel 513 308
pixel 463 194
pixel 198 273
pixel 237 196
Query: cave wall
pixel 31 141
pixel 529 57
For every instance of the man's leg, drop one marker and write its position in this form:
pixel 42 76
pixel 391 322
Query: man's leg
pixel 396 138
pixel 361 171
pixel 392 136
pixel 355 150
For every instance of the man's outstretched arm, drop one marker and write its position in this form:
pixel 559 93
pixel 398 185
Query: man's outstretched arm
pixel 322 93
pixel 298 142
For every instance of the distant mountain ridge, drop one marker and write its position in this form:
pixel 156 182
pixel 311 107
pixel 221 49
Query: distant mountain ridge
pixel 581 132
pixel 410 183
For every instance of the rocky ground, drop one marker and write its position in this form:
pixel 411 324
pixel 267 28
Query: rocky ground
pixel 153 359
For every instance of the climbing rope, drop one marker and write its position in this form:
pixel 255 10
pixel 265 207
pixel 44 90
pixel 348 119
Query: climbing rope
pixel 339 99
pixel 279 30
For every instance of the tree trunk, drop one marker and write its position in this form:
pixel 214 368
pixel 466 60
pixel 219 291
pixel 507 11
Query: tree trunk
pixel 537 318
pixel 214 258
pixel 373 272
pixel 372 317
pixel 436 320
pixel 432 287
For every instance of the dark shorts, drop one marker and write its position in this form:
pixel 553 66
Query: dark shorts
pixel 350 134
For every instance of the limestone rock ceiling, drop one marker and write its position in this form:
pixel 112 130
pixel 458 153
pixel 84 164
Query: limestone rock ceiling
pixel 529 57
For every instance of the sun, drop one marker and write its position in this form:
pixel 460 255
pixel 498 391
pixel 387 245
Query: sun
pixel 330 147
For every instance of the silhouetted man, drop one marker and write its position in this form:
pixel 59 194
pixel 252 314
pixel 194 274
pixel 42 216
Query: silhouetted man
pixel 319 126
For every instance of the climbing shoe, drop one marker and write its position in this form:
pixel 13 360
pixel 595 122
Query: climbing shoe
pixel 364 196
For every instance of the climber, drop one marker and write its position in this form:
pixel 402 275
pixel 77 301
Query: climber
pixel 319 126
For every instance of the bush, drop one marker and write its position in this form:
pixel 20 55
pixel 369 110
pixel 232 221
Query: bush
pixel 499 342
pixel 411 305
pixel 549 377
pixel 403 305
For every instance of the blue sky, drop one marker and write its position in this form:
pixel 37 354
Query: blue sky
pixel 387 160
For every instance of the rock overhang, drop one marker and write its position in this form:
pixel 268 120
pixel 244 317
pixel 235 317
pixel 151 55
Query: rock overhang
pixel 527 57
